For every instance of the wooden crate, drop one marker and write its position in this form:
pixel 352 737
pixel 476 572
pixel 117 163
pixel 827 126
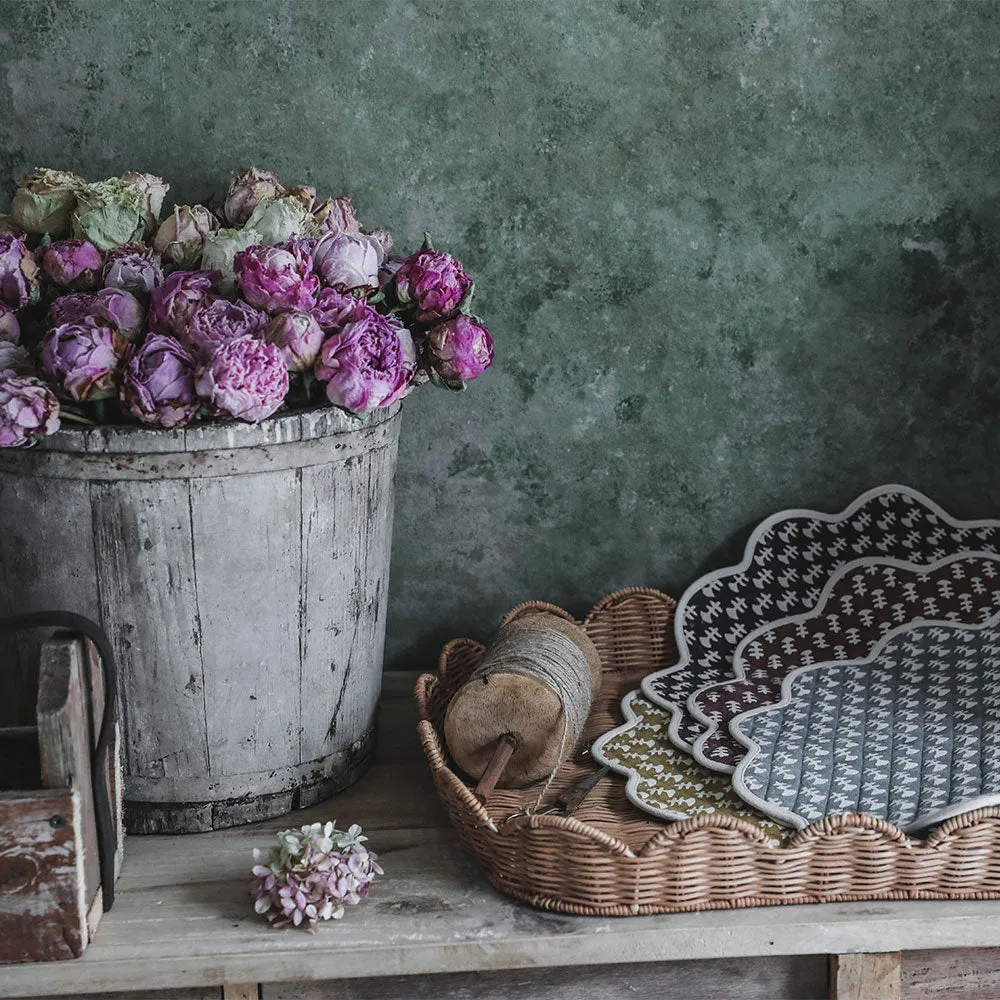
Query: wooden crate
pixel 51 897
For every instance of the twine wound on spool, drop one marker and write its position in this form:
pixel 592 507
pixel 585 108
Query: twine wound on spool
pixel 513 721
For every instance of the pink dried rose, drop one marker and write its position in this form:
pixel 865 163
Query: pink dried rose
pixel 10 329
pixel 337 216
pixel 72 264
pixel 29 410
pixel 158 383
pixel 462 349
pixel 383 241
pixel 370 363
pixel 247 190
pixel 347 262
pixel 15 358
pixel 298 336
pixel 113 306
pixel 246 379
pixel 278 277
pixel 312 874
pixel 219 322
pixel 134 268
pixel 333 309
pixel 433 282
pixel 180 239
pixel 82 359
pixel 19 284
pixel 173 304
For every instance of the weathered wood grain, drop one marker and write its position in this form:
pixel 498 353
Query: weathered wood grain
pixel 145 569
pixel 212 556
pixel 183 916
pixel 246 545
pixel 241 991
pixel 64 742
pixel 346 535
pixel 794 978
pixel 42 911
pixel 192 993
pixel 46 563
pixel 239 461
pixel 956 974
pixel 873 976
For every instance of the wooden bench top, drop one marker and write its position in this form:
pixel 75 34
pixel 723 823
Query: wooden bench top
pixel 183 916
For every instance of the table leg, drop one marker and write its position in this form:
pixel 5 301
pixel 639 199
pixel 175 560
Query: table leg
pixel 870 976
pixel 241 991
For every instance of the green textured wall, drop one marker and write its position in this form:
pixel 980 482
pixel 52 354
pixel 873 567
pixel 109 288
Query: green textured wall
pixel 736 257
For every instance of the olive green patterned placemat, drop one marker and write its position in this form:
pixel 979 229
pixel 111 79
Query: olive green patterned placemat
pixel 665 781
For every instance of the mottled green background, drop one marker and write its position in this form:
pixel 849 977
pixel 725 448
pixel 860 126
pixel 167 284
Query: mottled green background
pixel 736 257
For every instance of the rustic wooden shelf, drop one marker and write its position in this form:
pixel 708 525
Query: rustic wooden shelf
pixel 183 916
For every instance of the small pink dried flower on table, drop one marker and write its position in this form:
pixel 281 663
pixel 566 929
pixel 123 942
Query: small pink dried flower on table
pixel 312 874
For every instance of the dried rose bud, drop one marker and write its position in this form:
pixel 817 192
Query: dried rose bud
pixel 19 284
pixel 158 383
pixel 298 336
pixel 279 277
pixel 461 347
pixel 29 410
pixel 110 213
pixel 72 264
pixel 219 322
pixel 82 359
pixel 281 219
pixel 337 216
pixel 347 262
pixel 134 268
pixel 246 379
pixel 45 201
pixel 246 190
pixel 182 294
pixel 181 236
pixel 153 189
pixel 434 283
pixel 370 363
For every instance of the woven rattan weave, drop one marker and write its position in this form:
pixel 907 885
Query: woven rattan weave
pixel 611 859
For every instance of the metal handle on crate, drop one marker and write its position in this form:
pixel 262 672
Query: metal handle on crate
pixel 107 836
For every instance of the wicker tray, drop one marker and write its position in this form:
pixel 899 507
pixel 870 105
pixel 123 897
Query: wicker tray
pixel 611 859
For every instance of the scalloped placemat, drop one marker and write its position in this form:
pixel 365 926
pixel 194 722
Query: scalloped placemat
pixel 909 733
pixel 787 561
pixel 665 781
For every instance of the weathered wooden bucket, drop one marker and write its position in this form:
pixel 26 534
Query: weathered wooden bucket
pixel 241 573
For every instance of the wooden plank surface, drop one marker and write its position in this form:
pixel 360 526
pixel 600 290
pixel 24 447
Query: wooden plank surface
pixel 241 523
pixel 191 993
pixel 64 742
pixel 183 916
pixel 802 977
pixel 874 976
pixel 42 912
pixel 49 573
pixel 346 532
pixel 241 991
pixel 145 559
pixel 958 974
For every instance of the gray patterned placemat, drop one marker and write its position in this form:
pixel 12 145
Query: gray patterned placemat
pixel 787 561
pixel 910 733
pixel 860 604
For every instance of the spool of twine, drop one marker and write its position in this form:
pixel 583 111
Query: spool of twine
pixel 536 683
